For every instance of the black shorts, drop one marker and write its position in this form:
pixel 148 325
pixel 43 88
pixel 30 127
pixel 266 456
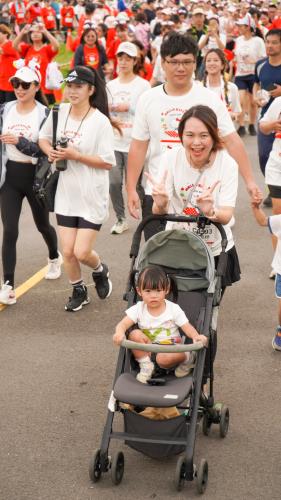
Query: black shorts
pixel 274 191
pixel 76 222
pixel 233 271
pixel 245 82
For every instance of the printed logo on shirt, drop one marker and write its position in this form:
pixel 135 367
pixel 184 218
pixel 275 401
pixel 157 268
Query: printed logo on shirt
pixel 21 130
pixel 169 123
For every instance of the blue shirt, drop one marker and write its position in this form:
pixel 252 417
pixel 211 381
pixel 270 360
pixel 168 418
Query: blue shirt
pixel 266 75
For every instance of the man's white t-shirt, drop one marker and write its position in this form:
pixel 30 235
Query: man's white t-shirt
pixel 274 223
pixel 83 191
pixel 125 93
pixel 273 165
pixel 158 115
pixel 158 328
pixel 21 125
pixel 247 53
pixel 185 183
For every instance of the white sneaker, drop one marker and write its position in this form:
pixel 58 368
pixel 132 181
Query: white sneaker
pixel 146 370
pixel 186 367
pixel 7 295
pixel 54 268
pixel 119 227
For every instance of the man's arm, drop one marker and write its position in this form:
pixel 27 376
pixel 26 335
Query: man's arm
pixel 236 149
pixel 136 159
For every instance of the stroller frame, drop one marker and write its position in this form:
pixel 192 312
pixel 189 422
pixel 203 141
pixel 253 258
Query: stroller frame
pixel 200 407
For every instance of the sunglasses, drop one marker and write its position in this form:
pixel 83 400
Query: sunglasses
pixel 19 83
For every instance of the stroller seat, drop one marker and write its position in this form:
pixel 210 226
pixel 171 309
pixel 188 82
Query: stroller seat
pixel 129 390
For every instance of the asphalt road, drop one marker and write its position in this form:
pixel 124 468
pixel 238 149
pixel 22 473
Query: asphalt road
pixel 56 372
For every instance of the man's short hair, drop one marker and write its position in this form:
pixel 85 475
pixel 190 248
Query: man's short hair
pixel 178 43
pixel 274 32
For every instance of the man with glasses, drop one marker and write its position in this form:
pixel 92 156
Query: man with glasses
pixel 157 116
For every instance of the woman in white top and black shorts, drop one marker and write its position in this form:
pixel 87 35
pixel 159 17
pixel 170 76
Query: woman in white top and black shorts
pixel 19 153
pixel 81 202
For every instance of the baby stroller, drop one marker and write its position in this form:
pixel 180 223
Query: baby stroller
pixel 185 256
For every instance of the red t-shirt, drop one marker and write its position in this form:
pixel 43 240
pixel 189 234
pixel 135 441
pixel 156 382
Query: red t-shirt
pixel 49 17
pixel 91 57
pixel 67 16
pixel 7 56
pixel 34 12
pixel 18 12
pixel 276 23
pixel 43 56
pixel 146 74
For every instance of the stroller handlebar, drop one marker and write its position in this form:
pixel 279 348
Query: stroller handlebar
pixel 129 344
pixel 174 218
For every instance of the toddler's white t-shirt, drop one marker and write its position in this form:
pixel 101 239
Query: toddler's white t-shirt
pixel 158 328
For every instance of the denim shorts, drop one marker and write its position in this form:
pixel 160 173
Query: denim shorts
pixel 278 286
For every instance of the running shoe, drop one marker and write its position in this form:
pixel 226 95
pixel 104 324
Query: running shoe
pixel 146 371
pixel 7 294
pixel 252 130
pixel 54 268
pixel 186 367
pixel 78 300
pixel 119 227
pixel 276 341
pixel 267 202
pixel 102 283
pixel 241 131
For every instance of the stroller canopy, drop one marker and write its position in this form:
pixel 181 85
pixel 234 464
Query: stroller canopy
pixel 182 254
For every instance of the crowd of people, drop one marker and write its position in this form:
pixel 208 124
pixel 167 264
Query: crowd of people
pixel 157 95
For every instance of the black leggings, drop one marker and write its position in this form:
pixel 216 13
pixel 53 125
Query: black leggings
pixel 18 185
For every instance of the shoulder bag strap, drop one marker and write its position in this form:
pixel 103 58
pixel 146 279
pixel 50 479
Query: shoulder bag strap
pixel 55 112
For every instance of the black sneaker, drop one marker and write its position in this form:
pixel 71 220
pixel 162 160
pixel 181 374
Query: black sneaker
pixel 102 283
pixel 78 300
pixel 252 130
pixel 267 202
pixel 241 131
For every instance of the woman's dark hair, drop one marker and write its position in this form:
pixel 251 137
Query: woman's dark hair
pixel 5 30
pixel 140 17
pixel 89 8
pixel 139 65
pixel 178 43
pixel 30 41
pixel 222 57
pixel 85 33
pixel 40 97
pixel 155 278
pixel 207 116
pixel 104 29
pixel 99 98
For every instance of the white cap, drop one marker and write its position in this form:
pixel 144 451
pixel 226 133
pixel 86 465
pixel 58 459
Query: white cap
pixel 198 11
pixel 27 75
pixel 246 21
pixel 128 48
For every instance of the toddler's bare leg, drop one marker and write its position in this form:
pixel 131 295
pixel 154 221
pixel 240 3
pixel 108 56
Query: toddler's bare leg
pixel 139 336
pixel 170 360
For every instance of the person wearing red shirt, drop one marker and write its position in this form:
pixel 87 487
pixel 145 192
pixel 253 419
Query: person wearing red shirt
pixel 90 52
pixel 33 12
pixel 121 36
pixel 38 49
pixel 7 56
pixel 67 16
pixel 143 68
pixel 49 16
pixel 18 11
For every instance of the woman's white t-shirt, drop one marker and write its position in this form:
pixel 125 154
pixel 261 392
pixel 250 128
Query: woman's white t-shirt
pixel 273 165
pixel 125 93
pixel 158 328
pixel 21 125
pixel 233 105
pixel 185 183
pixel 247 53
pixel 83 191
pixel 158 115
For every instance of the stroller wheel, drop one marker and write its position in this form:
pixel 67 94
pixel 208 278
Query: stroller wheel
pixel 206 424
pixel 117 468
pixel 180 473
pixel 224 421
pixel 202 476
pixel 95 467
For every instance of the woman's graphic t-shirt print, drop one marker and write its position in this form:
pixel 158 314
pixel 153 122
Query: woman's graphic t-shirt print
pixel 189 195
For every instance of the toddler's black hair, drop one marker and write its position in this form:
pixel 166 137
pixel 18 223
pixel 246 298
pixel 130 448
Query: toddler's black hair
pixel 154 278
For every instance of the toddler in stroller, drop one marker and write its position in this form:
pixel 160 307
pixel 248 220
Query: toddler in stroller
pixel 158 320
pixel 183 256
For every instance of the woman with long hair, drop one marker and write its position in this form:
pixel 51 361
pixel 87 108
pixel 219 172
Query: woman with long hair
pixel 216 80
pixel 41 47
pixel 22 119
pixel 90 52
pixel 81 202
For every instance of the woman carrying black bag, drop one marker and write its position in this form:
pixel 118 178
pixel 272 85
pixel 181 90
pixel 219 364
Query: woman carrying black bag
pixel 21 121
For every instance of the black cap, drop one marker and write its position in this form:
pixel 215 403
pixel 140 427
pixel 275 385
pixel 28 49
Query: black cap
pixel 80 74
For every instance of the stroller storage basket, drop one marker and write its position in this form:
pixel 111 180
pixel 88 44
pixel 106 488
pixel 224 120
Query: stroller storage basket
pixel 136 424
